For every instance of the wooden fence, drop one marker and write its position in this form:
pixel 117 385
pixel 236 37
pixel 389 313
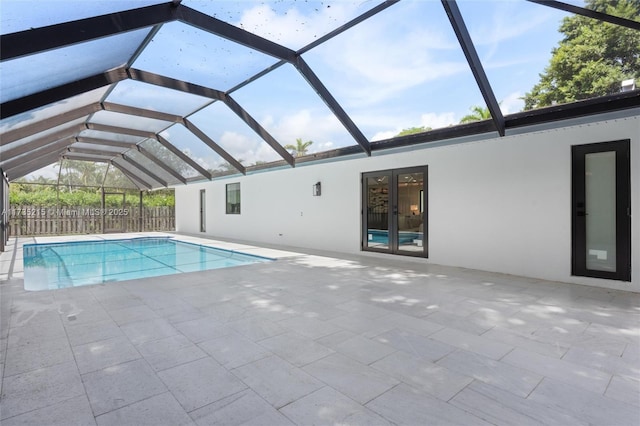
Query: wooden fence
pixel 37 220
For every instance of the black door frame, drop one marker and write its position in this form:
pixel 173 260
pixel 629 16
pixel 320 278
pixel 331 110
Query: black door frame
pixel 202 199
pixel 579 210
pixel 392 218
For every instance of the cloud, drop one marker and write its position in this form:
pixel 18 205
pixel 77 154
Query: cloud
pixel 432 120
pixel 293 27
pixel 324 130
pixel 387 134
pixel 512 103
pixel 200 160
pixel 437 121
pixel 247 148
pixel 373 63
pixel 509 21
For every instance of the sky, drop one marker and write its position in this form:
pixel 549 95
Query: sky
pixel 401 68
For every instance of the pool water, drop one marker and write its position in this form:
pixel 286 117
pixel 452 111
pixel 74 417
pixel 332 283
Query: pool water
pixel 58 265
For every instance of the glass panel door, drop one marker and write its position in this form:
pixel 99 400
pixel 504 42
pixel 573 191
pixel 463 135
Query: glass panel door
pixel 601 228
pixel 376 217
pixel 410 217
pixel 600 192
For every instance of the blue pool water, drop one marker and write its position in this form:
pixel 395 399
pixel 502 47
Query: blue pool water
pixel 381 236
pixel 58 265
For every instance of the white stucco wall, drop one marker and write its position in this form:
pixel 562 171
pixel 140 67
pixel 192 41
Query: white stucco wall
pixel 500 205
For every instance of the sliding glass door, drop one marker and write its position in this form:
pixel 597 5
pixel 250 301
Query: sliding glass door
pixel 394 212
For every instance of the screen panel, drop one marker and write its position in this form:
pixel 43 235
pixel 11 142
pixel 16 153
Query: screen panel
pixel 288 108
pixel 192 147
pixel 152 167
pixel 186 53
pixel 169 158
pixel 392 79
pixel 155 98
pixel 34 73
pixel 234 136
pixel 117 119
pixel 291 23
pixel 20 15
pixel 49 111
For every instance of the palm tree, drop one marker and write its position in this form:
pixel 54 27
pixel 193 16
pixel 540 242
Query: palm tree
pixel 300 148
pixel 478 114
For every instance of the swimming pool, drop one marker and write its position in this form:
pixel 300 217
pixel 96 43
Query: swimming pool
pixel 58 265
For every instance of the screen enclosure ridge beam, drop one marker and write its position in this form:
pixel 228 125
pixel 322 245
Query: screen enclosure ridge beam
pixel 214 146
pixel 120 130
pixel 36 40
pixel 261 131
pixel 459 27
pixel 220 28
pixel 144 170
pixel 331 102
pixel 40 142
pixel 57 146
pixel 32 165
pixel 184 157
pixel 60 93
pixel 137 181
pixel 162 164
pixel 40 126
pixel 590 13
pixel 194 89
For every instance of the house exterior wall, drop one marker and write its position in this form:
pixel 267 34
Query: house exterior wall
pixel 501 204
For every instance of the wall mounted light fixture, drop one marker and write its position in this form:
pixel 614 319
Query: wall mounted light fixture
pixel 317 189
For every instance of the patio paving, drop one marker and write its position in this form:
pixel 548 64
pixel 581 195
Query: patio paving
pixel 318 338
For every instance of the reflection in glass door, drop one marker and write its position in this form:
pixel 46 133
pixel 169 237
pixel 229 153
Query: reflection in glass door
pixel 394 211
pixel 376 193
pixel 601 231
pixel 410 211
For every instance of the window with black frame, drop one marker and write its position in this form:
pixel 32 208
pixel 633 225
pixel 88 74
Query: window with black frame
pixel 233 198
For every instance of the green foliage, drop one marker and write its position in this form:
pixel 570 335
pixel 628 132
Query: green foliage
pixel 413 130
pixel 478 113
pixel 74 172
pixel 592 59
pixel 300 148
pixel 21 194
pixel 163 197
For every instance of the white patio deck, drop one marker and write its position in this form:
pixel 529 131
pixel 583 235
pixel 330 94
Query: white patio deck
pixel 318 339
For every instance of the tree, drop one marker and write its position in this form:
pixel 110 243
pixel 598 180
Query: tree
pixel 592 59
pixel 478 113
pixel 227 167
pixel 413 130
pixel 84 173
pixel 300 148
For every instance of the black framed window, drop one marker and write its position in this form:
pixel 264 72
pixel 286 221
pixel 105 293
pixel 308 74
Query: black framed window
pixel 233 198
pixel 601 210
